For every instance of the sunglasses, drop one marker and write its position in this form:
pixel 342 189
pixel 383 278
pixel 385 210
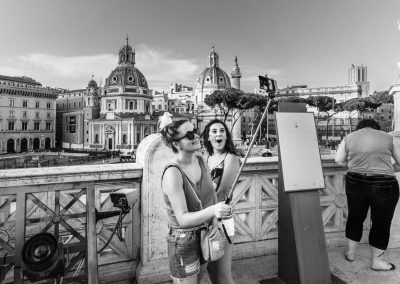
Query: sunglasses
pixel 189 135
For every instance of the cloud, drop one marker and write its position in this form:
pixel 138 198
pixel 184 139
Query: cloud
pixel 160 67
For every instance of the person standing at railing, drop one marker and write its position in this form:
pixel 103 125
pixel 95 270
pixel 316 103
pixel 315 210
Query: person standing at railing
pixel 224 163
pixel 185 181
pixel 370 184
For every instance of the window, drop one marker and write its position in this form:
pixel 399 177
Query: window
pixel 37 125
pixel 24 126
pixel 48 115
pixel 10 125
pixel 48 125
pixel 37 104
pixel 24 114
pixel 24 103
pixel 48 105
pixel 37 115
pixel 12 102
pixel 11 114
pixel 79 104
pixel 124 139
pixel 96 139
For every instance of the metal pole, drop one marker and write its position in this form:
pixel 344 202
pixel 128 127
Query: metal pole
pixel 230 194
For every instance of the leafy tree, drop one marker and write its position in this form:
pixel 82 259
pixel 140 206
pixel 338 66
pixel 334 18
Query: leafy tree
pixel 382 97
pixel 327 105
pixel 233 102
pixel 359 105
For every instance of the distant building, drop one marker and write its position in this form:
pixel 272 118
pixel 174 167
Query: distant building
pixel 126 111
pixel 210 79
pixel 357 87
pixel 27 115
pixel 74 110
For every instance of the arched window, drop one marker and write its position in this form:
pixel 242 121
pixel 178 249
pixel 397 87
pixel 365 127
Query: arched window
pixel 130 105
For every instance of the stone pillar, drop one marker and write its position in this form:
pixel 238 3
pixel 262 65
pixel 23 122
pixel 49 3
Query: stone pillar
pixel 153 155
pixel 237 128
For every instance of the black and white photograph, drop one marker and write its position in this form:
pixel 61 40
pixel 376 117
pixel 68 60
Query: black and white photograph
pixel 199 141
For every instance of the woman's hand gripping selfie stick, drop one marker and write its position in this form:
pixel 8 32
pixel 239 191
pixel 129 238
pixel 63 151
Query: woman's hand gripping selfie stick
pixel 265 113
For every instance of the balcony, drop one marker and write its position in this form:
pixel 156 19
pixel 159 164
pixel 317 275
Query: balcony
pixel 56 200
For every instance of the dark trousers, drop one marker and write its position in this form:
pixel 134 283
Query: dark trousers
pixel 378 192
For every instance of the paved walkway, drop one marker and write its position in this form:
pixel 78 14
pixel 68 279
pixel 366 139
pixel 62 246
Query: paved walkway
pixel 252 270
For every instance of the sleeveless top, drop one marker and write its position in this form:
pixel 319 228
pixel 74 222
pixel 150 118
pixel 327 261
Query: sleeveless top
pixel 369 151
pixel 204 190
pixel 217 171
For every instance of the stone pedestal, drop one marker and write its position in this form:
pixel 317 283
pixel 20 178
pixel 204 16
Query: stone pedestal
pixel 153 155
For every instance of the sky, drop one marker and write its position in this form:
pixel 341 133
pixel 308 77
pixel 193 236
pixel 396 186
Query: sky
pixel 62 43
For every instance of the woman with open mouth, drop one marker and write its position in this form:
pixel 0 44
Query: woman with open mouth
pixel 224 163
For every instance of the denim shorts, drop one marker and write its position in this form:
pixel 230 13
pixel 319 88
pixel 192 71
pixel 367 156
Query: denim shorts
pixel 184 252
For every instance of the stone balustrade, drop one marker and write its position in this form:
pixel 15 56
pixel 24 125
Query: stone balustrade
pixel 255 203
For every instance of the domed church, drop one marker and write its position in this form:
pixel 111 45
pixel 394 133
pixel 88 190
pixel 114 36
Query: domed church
pixel 125 110
pixel 211 79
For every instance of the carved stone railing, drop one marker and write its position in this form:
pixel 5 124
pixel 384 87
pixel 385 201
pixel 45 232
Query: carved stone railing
pixel 56 200
pixel 25 194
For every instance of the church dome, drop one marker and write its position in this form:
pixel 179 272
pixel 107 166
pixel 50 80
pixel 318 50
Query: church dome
pixel 92 84
pixel 125 74
pixel 126 77
pixel 213 77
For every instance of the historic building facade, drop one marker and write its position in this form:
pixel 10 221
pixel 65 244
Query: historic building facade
pixel 126 112
pixel 357 87
pixel 27 115
pixel 74 110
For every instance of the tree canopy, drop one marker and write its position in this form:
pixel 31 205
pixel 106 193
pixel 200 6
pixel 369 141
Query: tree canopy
pixel 232 101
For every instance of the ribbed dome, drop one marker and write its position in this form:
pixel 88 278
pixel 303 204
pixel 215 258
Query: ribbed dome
pixel 126 76
pixel 92 84
pixel 213 76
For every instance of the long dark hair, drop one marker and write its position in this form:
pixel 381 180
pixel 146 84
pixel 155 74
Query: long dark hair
pixel 229 146
pixel 170 132
pixel 368 122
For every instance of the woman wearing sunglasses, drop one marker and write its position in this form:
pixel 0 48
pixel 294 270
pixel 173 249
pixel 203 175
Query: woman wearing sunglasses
pixel 190 200
pixel 224 163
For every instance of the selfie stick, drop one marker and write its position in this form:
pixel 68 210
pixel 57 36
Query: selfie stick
pixel 230 194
